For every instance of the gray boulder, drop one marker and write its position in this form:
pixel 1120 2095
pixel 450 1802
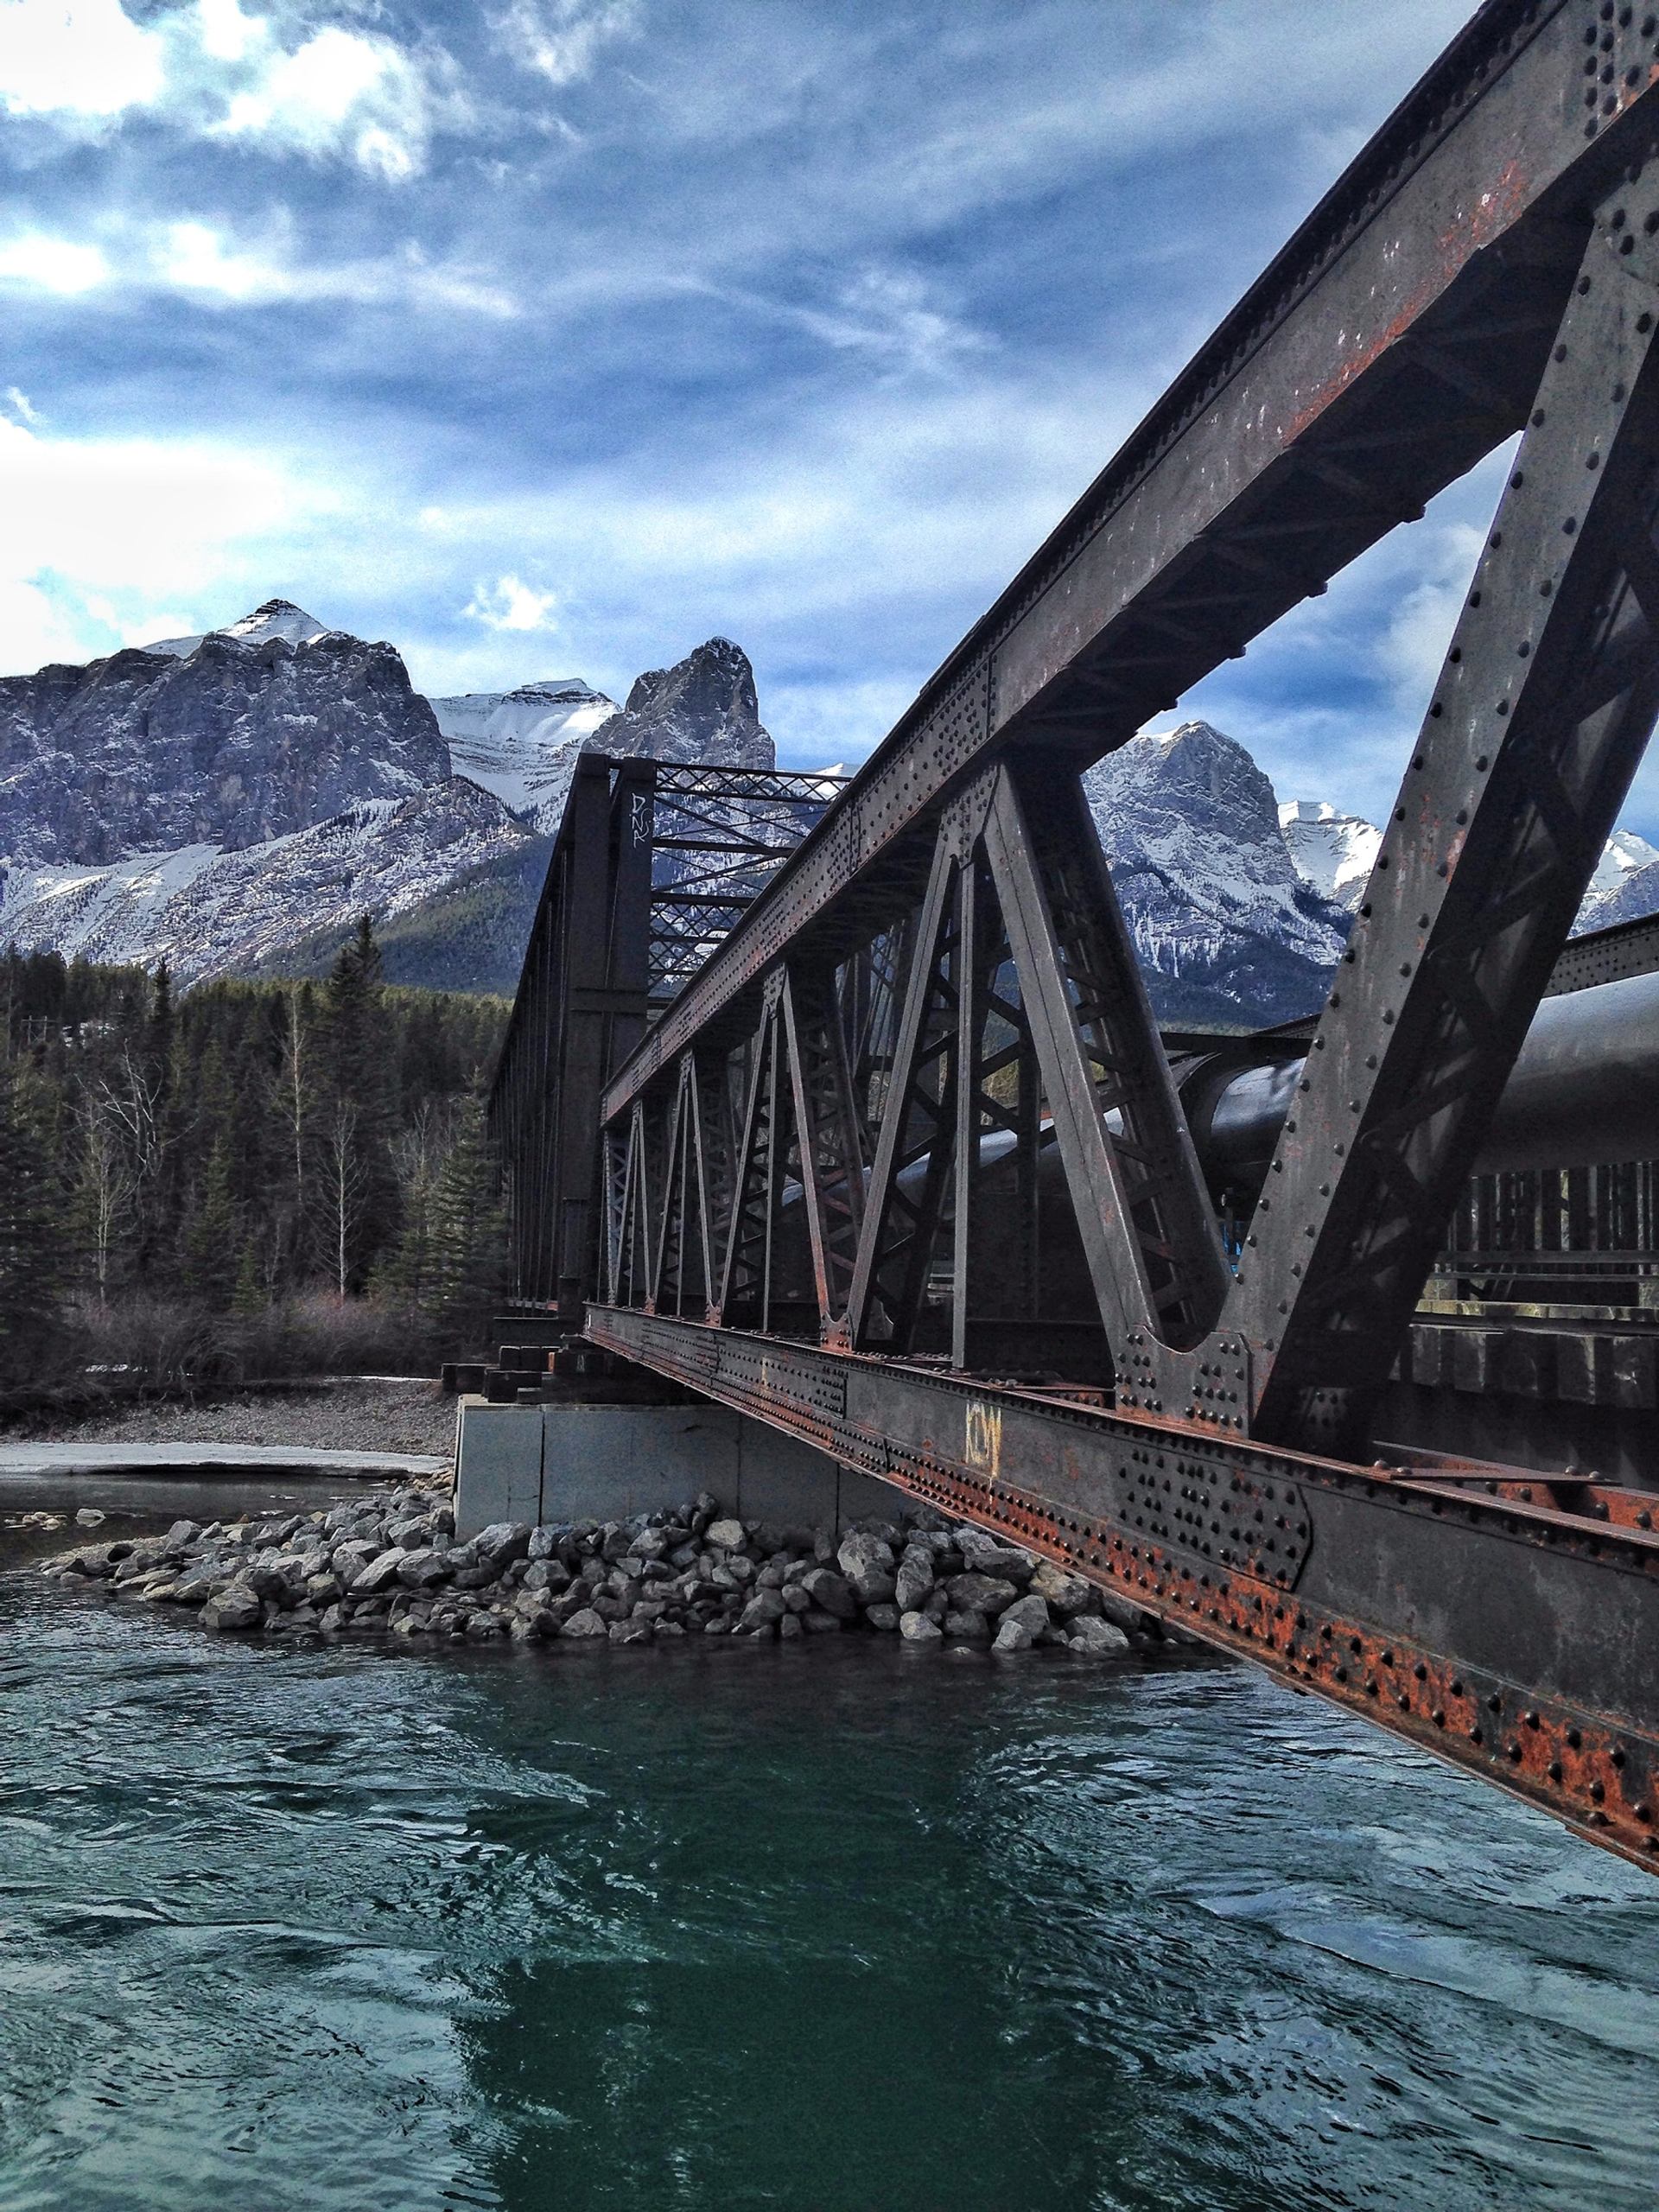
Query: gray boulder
pixel 1012 1635
pixel 980 1593
pixel 831 1591
pixel 1030 1612
pixel 765 1607
pixel 1065 1595
pixel 913 1583
pixel 423 1569
pixel 725 1536
pixel 380 1573
pixel 499 1544
pixel 916 1628
pixel 586 1623
pixel 859 1552
pixel 968 1627
pixel 983 1554
pixel 1094 1638
pixel 95 1561
pixel 236 1608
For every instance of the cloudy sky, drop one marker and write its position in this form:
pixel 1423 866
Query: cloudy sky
pixel 549 337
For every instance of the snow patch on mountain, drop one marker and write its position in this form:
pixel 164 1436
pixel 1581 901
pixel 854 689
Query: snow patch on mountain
pixel 1624 856
pixel 211 913
pixel 1333 852
pixel 277 618
pixel 522 745
pixel 1226 927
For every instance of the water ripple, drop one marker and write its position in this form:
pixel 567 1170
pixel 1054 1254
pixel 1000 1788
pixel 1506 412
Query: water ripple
pixel 834 1930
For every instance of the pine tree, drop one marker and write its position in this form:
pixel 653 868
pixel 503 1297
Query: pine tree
pixel 213 1237
pixel 361 1075
pixel 248 1299
pixel 469 1233
pixel 37 1253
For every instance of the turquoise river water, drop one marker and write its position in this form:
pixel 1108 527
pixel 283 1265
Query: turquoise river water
pixel 834 1926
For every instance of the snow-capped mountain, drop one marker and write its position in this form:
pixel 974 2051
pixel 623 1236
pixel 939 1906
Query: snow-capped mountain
pixel 216 801
pixel 521 745
pixel 1626 885
pixel 277 618
pixel 250 735
pixel 1228 931
pixel 1333 851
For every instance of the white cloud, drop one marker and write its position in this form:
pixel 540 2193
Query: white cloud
pixel 81 57
pixel 509 604
pixel 561 39
pixel 341 91
pixel 49 264
pixel 95 531
pixel 19 403
pixel 226 33
pixel 214 71
pixel 197 258
pixel 893 315
pixel 1414 648
pixel 207 263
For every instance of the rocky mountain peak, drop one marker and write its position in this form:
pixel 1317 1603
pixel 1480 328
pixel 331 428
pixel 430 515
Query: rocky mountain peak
pixel 275 617
pixel 702 708
pixel 1227 930
pixel 241 736
pixel 1334 851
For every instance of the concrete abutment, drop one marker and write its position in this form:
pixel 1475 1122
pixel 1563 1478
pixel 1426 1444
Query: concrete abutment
pixel 554 1463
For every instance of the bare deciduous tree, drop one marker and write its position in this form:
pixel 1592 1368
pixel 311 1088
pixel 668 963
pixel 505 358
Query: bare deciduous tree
pixel 343 1184
pixel 107 1180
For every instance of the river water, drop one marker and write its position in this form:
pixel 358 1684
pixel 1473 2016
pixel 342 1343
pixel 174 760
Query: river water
pixel 834 1928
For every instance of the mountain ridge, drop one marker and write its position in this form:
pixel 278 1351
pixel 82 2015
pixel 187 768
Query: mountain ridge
pixel 232 802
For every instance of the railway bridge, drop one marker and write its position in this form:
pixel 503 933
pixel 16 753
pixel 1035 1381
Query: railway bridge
pixel 845 1106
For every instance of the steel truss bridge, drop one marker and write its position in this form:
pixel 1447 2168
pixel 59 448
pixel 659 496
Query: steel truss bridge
pixel 887 1151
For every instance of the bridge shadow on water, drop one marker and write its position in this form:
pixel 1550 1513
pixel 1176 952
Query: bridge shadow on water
pixel 844 1927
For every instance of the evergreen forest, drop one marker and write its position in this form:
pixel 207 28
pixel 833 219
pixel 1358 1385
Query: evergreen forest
pixel 252 1178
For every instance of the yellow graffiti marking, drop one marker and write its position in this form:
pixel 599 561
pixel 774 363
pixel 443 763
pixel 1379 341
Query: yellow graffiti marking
pixel 982 1447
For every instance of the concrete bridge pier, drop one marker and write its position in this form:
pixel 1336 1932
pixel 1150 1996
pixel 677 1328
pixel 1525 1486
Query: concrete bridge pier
pixel 551 1463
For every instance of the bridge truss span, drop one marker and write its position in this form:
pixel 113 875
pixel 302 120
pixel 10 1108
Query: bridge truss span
pixel 902 1166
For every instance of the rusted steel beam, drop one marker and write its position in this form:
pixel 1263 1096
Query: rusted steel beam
pixel 1502 1621
pixel 1534 730
pixel 1398 337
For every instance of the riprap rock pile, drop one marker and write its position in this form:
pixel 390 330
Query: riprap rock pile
pixel 388 1562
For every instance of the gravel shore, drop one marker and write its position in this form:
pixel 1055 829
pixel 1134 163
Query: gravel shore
pixel 352 1415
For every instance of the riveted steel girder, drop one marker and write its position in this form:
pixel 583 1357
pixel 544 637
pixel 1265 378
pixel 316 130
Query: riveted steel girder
pixel 1398 337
